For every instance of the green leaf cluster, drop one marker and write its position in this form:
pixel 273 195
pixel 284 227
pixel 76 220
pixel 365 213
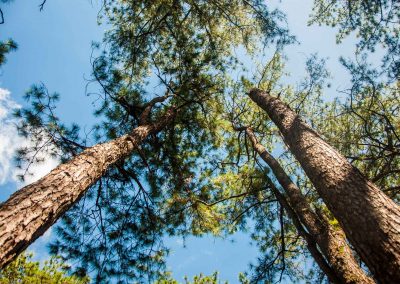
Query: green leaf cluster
pixel 24 270
pixel 6 47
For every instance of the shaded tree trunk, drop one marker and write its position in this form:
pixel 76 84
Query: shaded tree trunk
pixel 310 240
pixel 370 219
pixel 331 241
pixel 30 211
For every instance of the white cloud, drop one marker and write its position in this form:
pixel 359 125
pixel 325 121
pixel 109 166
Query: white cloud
pixel 10 141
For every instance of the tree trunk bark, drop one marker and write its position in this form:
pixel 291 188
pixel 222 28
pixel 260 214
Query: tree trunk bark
pixel 30 211
pixel 331 241
pixel 370 219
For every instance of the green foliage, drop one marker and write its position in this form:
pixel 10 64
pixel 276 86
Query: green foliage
pixel 198 279
pixel 376 23
pixel 237 186
pixel 49 135
pixel 199 175
pixel 53 271
pixel 366 120
pixel 366 129
pixel 203 179
pixel 186 50
pixel 6 47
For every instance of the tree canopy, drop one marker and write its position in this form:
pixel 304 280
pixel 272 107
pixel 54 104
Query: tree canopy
pixel 24 270
pixel 200 174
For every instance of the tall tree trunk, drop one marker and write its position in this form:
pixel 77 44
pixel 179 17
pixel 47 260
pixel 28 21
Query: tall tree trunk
pixel 370 219
pixel 331 241
pixel 310 240
pixel 30 211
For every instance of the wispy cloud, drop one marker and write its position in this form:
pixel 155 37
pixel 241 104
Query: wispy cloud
pixel 8 135
pixel 10 141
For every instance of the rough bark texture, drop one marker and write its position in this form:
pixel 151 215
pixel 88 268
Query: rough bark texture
pixel 331 241
pixel 30 211
pixel 370 219
pixel 310 240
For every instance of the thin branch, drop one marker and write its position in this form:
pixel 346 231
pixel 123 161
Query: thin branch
pixel 1 17
pixel 41 6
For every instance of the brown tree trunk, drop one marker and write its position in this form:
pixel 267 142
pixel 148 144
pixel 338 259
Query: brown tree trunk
pixel 310 240
pixel 30 211
pixel 331 241
pixel 370 219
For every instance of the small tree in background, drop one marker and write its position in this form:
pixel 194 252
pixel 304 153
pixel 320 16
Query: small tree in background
pixel 53 271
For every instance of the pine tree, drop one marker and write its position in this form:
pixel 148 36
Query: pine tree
pixel 357 203
pixel 187 49
pixel 169 169
pixel 24 270
pixel 29 212
pixel 331 241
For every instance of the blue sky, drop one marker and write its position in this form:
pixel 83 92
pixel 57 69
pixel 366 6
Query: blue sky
pixel 54 48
